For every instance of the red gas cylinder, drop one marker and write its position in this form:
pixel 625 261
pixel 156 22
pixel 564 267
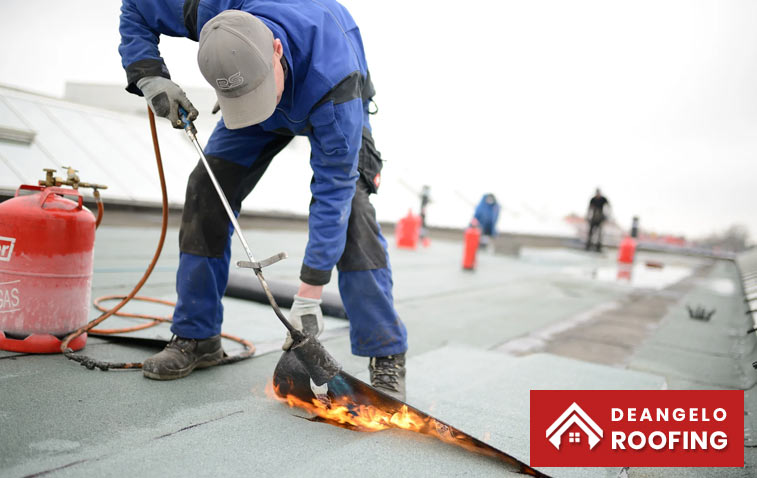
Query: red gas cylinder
pixel 407 231
pixel 46 251
pixel 626 250
pixel 471 239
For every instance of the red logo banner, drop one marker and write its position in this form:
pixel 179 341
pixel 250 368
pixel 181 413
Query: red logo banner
pixel 637 428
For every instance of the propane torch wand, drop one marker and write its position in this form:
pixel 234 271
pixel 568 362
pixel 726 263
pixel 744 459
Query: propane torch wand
pixel 321 366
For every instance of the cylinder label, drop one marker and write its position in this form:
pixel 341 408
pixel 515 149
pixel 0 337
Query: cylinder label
pixel 6 248
pixel 9 297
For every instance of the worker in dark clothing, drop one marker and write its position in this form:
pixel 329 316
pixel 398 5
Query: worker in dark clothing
pixel 596 214
pixel 487 215
pixel 425 200
pixel 280 69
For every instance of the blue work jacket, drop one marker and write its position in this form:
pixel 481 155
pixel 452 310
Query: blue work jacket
pixel 487 215
pixel 326 91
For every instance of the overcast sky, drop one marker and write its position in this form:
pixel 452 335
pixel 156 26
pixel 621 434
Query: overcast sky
pixel 538 101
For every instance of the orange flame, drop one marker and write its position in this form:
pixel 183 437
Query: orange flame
pixel 344 411
pixel 363 417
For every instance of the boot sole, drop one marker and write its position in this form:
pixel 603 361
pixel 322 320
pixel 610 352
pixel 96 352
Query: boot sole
pixel 207 361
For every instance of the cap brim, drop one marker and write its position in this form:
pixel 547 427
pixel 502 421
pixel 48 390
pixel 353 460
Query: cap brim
pixel 252 108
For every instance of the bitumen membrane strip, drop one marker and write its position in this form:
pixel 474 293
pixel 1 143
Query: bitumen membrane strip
pixel 717 352
pixel 68 421
pixel 714 354
pixel 610 332
pixel 495 405
pixel 345 393
pixel 537 341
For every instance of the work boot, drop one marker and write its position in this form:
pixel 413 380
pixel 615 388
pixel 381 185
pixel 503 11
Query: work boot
pixel 388 375
pixel 181 356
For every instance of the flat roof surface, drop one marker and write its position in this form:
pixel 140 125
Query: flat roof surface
pixel 479 341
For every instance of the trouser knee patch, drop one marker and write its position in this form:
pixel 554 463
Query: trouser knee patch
pixel 204 222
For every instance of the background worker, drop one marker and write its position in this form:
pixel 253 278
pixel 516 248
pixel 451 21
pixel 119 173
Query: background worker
pixel 487 215
pixel 279 69
pixel 597 212
pixel 425 200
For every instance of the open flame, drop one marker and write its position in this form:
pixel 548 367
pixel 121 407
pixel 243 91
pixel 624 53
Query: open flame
pixel 352 404
pixel 344 412
pixel 361 417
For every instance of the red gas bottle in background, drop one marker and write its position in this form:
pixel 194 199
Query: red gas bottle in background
pixel 471 239
pixel 627 250
pixel 46 254
pixel 626 253
pixel 408 230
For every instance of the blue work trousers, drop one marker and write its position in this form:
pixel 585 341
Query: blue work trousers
pixel 239 158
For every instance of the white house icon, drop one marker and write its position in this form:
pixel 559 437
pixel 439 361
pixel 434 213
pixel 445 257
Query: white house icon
pixel 574 415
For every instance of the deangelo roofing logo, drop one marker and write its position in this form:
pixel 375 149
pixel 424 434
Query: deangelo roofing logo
pixel 574 415
pixel 637 428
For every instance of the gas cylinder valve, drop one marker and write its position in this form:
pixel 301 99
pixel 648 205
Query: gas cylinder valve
pixel 72 179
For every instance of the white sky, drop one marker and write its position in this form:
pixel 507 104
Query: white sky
pixel 655 101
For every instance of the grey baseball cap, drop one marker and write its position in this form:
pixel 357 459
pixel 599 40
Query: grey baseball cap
pixel 236 58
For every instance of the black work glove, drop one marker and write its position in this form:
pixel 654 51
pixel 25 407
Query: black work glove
pixel 165 97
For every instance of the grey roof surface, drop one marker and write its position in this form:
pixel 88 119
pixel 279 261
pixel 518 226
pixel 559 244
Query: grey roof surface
pixel 479 341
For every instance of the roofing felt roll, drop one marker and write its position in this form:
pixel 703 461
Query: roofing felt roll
pixel 244 285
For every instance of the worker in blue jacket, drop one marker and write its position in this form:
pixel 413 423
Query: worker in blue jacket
pixel 487 215
pixel 280 68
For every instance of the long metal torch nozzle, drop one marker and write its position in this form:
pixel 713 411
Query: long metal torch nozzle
pixel 321 365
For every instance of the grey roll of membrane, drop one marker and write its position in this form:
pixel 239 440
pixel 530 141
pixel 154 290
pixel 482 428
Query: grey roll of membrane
pixel 244 285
